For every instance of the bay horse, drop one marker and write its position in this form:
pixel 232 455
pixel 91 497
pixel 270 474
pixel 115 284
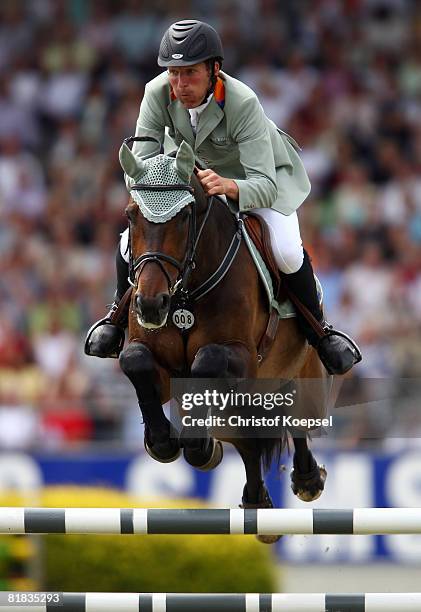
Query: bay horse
pixel 178 239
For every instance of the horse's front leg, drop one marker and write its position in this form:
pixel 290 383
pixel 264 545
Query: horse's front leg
pixel 213 361
pixel 139 365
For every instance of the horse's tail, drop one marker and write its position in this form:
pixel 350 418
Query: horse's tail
pixel 271 449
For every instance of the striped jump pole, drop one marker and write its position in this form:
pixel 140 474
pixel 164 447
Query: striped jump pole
pixel 179 602
pixel 357 521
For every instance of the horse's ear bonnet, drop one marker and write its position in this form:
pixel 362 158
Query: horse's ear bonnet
pixel 184 162
pixel 132 165
pixel 139 173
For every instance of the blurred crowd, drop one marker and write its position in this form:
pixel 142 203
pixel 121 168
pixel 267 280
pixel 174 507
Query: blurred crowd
pixel 343 78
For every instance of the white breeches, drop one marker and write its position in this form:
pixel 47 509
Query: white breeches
pixel 285 239
pixel 284 236
pixel 124 245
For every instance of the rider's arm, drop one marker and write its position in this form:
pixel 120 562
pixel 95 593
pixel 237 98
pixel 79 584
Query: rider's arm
pixel 250 131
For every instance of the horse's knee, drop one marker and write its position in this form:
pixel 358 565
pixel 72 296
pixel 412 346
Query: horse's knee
pixel 221 360
pixel 136 360
pixel 210 361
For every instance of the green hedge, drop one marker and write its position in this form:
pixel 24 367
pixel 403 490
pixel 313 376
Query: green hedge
pixel 157 563
pixel 149 563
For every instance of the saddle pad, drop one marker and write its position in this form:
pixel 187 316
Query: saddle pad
pixel 285 309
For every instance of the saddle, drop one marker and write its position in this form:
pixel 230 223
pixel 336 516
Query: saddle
pixel 259 233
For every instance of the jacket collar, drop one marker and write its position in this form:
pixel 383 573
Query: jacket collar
pixel 209 118
pixel 181 120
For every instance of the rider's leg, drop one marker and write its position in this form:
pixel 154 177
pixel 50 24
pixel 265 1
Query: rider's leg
pixel 122 265
pixel 105 339
pixel 336 352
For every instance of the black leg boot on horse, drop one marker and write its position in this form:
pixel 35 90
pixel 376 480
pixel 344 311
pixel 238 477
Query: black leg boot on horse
pixel 337 351
pixel 106 337
pixel 139 365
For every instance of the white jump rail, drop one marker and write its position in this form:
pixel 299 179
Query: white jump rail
pixel 187 602
pixel 357 521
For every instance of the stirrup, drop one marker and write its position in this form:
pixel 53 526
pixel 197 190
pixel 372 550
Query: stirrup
pixel 115 344
pixel 331 331
pixel 338 359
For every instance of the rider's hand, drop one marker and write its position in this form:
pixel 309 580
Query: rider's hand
pixel 213 184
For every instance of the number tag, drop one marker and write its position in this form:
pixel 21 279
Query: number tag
pixel 183 319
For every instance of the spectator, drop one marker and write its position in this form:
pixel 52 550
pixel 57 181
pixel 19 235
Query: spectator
pixel 344 78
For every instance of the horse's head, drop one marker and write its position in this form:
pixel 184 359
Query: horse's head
pixel 162 220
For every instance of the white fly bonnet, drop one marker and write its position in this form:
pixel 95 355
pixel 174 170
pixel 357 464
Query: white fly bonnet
pixel 159 206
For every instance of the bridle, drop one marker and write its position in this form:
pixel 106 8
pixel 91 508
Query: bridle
pixel 187 265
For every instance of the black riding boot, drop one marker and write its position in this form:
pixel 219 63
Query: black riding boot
pixel 106 339
pixel 337 351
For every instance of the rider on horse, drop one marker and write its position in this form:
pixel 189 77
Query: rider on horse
pixel 247 159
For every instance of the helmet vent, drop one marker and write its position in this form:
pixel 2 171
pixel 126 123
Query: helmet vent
pixel 164 50
pixel 186 25
pixel 179 39
pixel 197 47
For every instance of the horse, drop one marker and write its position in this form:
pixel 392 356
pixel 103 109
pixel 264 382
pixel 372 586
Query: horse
pixel 179 238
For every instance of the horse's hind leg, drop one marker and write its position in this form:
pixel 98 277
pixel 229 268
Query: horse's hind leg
pixel 307 477
pixel 255 493
pixel 138 364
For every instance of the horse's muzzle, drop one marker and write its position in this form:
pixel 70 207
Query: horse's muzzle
pixel 152 312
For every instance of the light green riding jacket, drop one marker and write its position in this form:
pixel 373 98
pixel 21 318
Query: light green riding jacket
pixel 237 142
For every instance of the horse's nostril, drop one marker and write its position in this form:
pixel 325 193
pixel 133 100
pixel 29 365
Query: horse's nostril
pixel 148 305
pixel 165 300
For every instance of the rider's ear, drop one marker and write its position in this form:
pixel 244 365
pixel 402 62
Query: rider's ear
pixel 133 166
pixel 184 161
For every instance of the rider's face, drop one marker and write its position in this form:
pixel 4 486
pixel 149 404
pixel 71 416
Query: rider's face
pixel 190 83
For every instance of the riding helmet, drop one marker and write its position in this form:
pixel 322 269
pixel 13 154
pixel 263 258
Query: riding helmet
pixel 189 42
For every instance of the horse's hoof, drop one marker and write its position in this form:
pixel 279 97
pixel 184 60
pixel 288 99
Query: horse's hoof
pixel 266 502
pixel 268 539
pixel 164 452
pixel 214 459
pixel 308 487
